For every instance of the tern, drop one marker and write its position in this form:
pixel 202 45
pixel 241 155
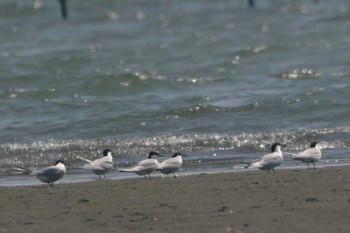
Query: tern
pixel 269 161
pixel 171 165
pixel 100 166
pixel 47 175
pixel 310 155
pixel 144 167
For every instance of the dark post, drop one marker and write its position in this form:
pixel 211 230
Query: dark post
pixel 251 3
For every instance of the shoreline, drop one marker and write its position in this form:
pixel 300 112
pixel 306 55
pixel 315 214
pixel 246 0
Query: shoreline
pixel 291 200
pixel 77 176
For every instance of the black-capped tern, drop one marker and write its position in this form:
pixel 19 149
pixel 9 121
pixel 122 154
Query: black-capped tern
pixel 269 161
pixel 100 166
pixel 47 175
pixel 144 167
pixel 310 155
pixel 171 165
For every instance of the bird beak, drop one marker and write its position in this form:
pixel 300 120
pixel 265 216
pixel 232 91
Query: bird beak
pixel 184 155
pixel 284 145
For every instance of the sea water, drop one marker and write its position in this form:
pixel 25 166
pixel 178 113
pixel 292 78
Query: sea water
pixel 215 80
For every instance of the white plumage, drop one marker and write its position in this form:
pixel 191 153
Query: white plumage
pixel 100 166
pixel 310 155
pixel 47 175
pixel 269 161
pixel 171 165
pixel 144 167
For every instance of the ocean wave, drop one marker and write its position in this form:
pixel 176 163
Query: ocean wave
pixel 300 73
pixel 203 109
pixel 135 82
pixel 198 146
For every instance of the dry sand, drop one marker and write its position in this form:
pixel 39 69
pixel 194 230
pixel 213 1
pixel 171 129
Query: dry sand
pixel 254 202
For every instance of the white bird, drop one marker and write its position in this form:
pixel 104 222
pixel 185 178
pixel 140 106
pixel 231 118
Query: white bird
pixel 144 167
pixel 269 161
pixel 47 175
pixel 310 155
pixel 171 165
pixel 100 166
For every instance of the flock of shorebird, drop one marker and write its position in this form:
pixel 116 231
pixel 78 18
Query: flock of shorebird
pixel 102 165
pixel 169 166
pixel 275 158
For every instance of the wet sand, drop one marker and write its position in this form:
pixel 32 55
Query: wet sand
pixel 254 202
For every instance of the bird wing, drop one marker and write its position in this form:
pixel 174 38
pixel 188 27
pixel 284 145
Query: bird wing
pixel 127 170
pixel 93 167
pixel 169 163
pixel 142 165
pixel 310 153
pixel 266 160
pixel 49 170
pixel 50 174
pixel 255 163
pixel 270 158
pixel 86 160
pixel 147 163
pixel 18 170
pixel 104 162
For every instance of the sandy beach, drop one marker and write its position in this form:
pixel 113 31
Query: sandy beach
pixel 253 202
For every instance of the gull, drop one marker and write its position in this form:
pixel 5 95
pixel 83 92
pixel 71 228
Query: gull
pixel 269 161
pixel 310 155
pixel 144 167
pixel 100 166
pixel 171 165
pixel 47 175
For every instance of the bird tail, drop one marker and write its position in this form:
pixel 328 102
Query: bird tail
pixel 126 170
pixel 248 165
pixel 251 164
pixel 86 160
pixel 296 157
pixel 292 155
pixel 288 153
pixel 18 170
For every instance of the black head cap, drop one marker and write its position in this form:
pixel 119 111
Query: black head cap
pixel 106 151
pixel 152 153
pixel 61 161
pixel 313 144
pixel 273 147
pixel 176 154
